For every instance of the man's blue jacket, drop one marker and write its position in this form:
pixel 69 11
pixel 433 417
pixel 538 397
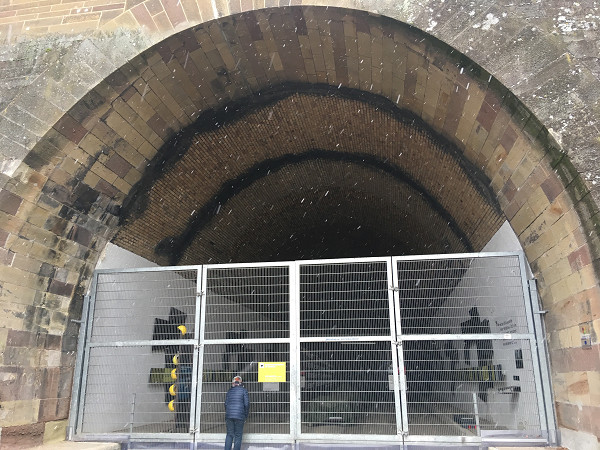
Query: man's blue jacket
pixel 237 403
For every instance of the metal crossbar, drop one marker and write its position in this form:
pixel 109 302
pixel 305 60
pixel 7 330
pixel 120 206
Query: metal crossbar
pixel 400 350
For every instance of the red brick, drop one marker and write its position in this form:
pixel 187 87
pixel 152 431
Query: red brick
pixel 141 14
pixel 81 17
pixel 108 7
pixel 154 7
pixel 174 12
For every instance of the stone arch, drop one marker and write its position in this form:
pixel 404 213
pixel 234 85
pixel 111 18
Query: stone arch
pixel 65 201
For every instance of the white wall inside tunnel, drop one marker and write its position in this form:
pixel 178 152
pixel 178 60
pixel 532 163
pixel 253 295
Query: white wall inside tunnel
pixel 115 257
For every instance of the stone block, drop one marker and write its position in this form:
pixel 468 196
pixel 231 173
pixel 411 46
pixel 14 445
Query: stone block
pixel 22 356
pixel 103 172
pixel 122 128
pixel 48 410
pixel 55 431
pixel 91 179
pixel 578 389
pixel 21 436
pixel 523 219
pixel 9 202
pixel 23 292
pixel 93 143
pixel 567 415
pixel 559 387
pixel 122 186
pixel 431 95
pixel 538 201
pixel 13 316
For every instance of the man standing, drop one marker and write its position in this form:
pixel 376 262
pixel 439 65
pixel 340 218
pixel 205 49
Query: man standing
pixel 237 407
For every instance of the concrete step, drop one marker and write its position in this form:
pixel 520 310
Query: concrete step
pixel 70 445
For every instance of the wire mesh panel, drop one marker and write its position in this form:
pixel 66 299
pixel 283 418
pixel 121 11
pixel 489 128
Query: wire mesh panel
pixel 140 354
pixel 247 302
pixel 470 387
pixel 468 295
pixel 346 389
pixel 344 299
pixel 145 305
pixel 133 389
pixel 269 401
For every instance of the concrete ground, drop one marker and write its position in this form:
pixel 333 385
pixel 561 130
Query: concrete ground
pixel 70 445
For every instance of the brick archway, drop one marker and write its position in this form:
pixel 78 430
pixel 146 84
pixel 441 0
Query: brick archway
pixel 137 127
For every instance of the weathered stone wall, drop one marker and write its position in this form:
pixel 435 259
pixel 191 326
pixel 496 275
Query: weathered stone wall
pixel 86 110
pixel 544 52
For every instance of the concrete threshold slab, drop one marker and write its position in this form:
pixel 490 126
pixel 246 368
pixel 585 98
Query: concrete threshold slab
pixel 71 445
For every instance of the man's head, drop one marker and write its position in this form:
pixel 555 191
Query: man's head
pixel 237 381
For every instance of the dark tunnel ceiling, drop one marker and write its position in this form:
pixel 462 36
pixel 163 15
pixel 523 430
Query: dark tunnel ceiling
pixel 307 173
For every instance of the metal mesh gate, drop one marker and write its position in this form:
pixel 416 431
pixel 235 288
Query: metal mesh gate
pixel 468 347
pixel 133 345
pixel 346 352
pixel 402 350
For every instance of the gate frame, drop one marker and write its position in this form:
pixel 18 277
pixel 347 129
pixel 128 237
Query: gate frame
pixel 544 392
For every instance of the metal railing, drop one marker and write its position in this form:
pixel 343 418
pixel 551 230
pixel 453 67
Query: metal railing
pixel 401 350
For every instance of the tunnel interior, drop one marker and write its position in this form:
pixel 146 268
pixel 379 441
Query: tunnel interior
pixel 307 172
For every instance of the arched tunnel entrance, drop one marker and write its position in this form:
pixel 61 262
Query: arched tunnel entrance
pixel 311 172
pixel 293 134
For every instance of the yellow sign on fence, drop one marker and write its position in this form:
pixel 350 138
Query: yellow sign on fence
pixel 271 372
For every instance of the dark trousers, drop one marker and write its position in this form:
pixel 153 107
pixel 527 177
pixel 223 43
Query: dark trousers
pixel 235 429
